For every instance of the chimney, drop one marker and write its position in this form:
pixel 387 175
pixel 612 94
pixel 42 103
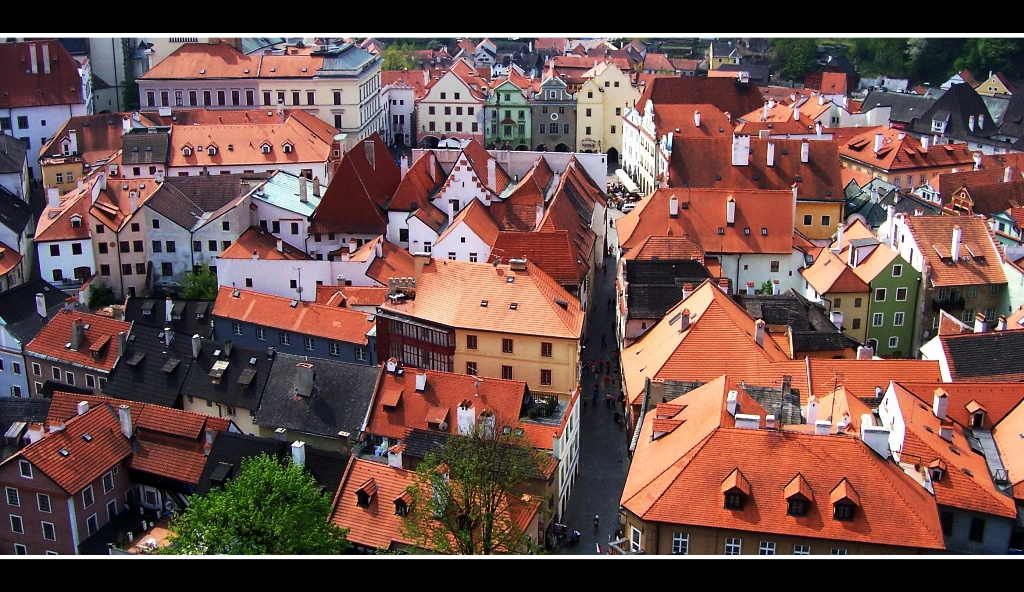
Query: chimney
pixel 197 343
pixel 750 288
pixel 83 406
pixel 168 306
pixel 404 162
pixel 280 246
pixel 280 434
pixel 208 442
pixel 879 140
pixel 77 334
pixel 122 342
pixel 740 149
pixel 977 160
pixel 981 121
pixel 133 200
pixel 378 249
pixel 33 60
pixel 730 402
pixel 837 316
pixel 432 167
pixel 925 140
pixel 392 365
pixel 805 151
pixel 771 154
pixel 302 190
pixel 492 180
pixel 124 416
pixel 696 119
pixel 769 422
pixel 316 186
pixel 851 256
pixel 687 290
pixel 865 352
pixel 876 437
pixel 673 206
pixel 817 128
pixel 730 211
pixel 839 240
pixel 979 323
pixel 723 283
pixel 946 429
pixel 73 141
pixel 684 319
pixel 955 250
pixel 540 215
pixel 775 287
pixel 759 332
pixel 69 302
pixel 168 335
pixel 940 400
pixel 747 421
pixel 304 379
pixel 796 113
pixel 822 427
pixel 767 106
pixel 1007 174
pixel 52 198
pixel 1002 323
pixel 40 304
pixel 299 453
pixel 421 381
pixel 970 123
pixel 812 410
pixel 255 256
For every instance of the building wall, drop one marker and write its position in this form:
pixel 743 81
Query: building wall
pixel 451 93
pixel 91 378
pixel 616 94
pixel 13 376
pixel 459 244
pixel 526 359
pixel 167 233
pixel 855 318
pixel 757 268
pixel 43 122
pixel 225 329
pixel 223 231
pixel 119 279
pixel 274 276
pixel 318 169
pixel 243 418
pixel 559 110
pixel 400 102
pixel 995 537
pixel 511 99
pixel 69 171
pixel 66 262
pixel 31 517
pixel 910 279
pixel 825 218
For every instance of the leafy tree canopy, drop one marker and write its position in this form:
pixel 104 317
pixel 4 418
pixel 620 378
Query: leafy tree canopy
pixel 398 57
pixel 271 508
pixel 200 284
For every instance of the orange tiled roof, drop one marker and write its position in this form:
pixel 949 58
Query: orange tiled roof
pixel 398 407
pixel 533 291
pixel 666 247
pixel 113 206
pixel 1006 433
pixel 99 347
pixel 364 180
pixel 24 88
pixel 98 137
pixel 394 262
pixel 377 525
pixel 934 237
pixel 9 258
pixel 677 478
pixel 54 224
pixel 833 83
pixel 901 151
pixel 307 318
pixel 423 179
pixel 362 295
pixel 217 60
pixel 997 399
pixel 478 219
pixel 258 241
pixel 550 251
pixel 169 460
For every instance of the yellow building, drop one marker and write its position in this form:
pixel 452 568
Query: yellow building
pixel 818 219
pixel 510 321
pixel 601 102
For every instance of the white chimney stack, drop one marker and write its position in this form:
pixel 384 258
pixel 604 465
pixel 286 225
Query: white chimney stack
pixel 747 421
pixel 696 119
pixel 741 149
pixel 687 290
pixel 673 206
pixel 1002 323
pixel 730 211
pixel 817 128
pixel 970 123
pixel 730 402
pixel 83 406
pixel 865 352
pixel 925 140
pixel 40 304
pixel 796 113
pixel 759 332
pixel 977 160
pixel 168 306
pixel 946 429
pixel 837 317
pixel 280 245
pixel 879 140
pixel 316 186
pixel 769 421
pixel 492 177
pixel 876 437
pixel 979 323
pixel 812 410
pixel 805 151
pixel 299 453
pixel 750 288
pixel 775 287
pixel 955 250
pixel 302 190
pixel 940 400
pixel 981 121
pixel 124 415
pixel 197 342
pixel 404 161
pixel 771 154
pixel 822 427
pixel 421 381
pixel 684 318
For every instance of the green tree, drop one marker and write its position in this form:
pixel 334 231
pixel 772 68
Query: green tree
pixel 101 295
pixel 981 55
pixel 794 57
pixel 272 508
pixel 465 496
pixel 200 284
pixel 398 57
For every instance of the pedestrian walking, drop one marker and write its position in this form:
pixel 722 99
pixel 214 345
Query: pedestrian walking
pixel 604 268
pixel 604 340
pixel 608 400
pixel 594 397
pixel 607 381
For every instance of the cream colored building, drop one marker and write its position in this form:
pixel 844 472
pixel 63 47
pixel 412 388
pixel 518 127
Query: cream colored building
pixel 602 102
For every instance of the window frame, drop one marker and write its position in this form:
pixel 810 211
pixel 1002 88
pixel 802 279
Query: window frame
pixel 507 345
pixel 21 524
pixel 13 494
pixel 766 548
pixel 733 546
pixel 22 465
pixel 91 497
pixel 801 549
pixel 877 319
pixel 49 503
pixel 883 293
pixel 471 342
pixel 680 543
pixel 53 531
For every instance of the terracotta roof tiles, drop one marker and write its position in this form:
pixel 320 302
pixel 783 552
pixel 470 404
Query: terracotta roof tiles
pixel 51 341
pixel 24 87
pixel 933 235
pixel 307 318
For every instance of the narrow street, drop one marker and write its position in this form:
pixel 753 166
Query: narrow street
pixel 604 459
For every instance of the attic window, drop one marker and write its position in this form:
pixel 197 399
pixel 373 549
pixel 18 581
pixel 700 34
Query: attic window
pixel 266 148
pixel 136 358
pixel 764 231
pixel 513 305
pixel 718 177
pixel 365 493
pixel 201 71
pixel 235 293
pixel 402 504
pixel 721 230
pixel 842 511
pixel 186 151
pixel 746 231
pixel 211 150
pixel 87 437
pixel 287 148
pixel 170 365
pixel 483 304
pixel 64 452
pixel 510 279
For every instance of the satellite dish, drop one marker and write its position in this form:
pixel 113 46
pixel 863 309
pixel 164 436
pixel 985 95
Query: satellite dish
pixel 443 426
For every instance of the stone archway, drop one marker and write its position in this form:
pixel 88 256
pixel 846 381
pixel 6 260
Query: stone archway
pixel 613 156
pixel 541 148
pixel 429 142
pixel 562 148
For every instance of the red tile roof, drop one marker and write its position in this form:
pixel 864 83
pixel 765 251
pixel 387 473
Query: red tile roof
pixel 551 251
pixel 666 247
pixel 394 262
pixel 713 121
pixel 61 85
pixel 678 478
pixel 54 224
pixel 724 93
pixel 377 525
pixel 478 219
pixel 258 241
pixel 353 201
pixel 306 318
pixel 218 60
pixel 901 151
pixel 423 179
pixel 934 237
pixel 99 347
pixel 997 399
pixel 98 137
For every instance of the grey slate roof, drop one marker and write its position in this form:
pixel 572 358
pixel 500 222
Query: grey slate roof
pixel 13 153
pixel 758 74
pixel 21 411
pixel 149 146
pixel 656 286
pixel 1012 123
pixel 149 371
pixel 242 361
pixel 193 316
pixel 229 448
pixel 15 214
pixel 784 405
pixel 810 326
pixel 18 308
pixel 184 200
pixel 904 107
pixel 960 102
pixel 341 396
pixel 981 356
pixel 344 60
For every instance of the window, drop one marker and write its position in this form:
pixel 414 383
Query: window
pixel 894 342
pixel 211 245
pixel 972 291
pixel 285 338
pixel 20 549
pixel 17 526
pixel 309 343
pixel 104 268
pixel 12 497
pixel 447 126
pixel 92 524
pixel 946 518
pixel 901 294
pixel 111 509
pixel 995 290
pixel 837 551
pixel 140 268
pixel 236 328
pixel 775 267
pixel 680 543
pixel 280 97
pixel 796 507
pixel 43 501
pixel 310 97
pixel 294 227
pixel 87 497
pixel 472 258
pixel 545 377
pixel 337 97
pixel 837 303
pixel 360 354
pixel 334 348
pixel 157 246
pixel 26 469
pixel 471 368
pixel 56 373
pixel 613 129
pixel 55 250
pixel 197 246
pixel 552 128
pixel 470 341
pixel 897 270
pixel 826 220
pixel 635 538
pixel 877 319
pixel 588 132
pixel 403 235
pixel 842 512
pixel 897 319
pixel 801 549
pixel 38 371
pixel 70 377
pixel 137 246
pixel 451 255
pixel 261 334
pixel 545 349
pixel 734 501
pixel 506 345
pixel 506 372
pixel 880 295
pixel 808 219
pixel 90 381
pixel 766 548
pixel 732 545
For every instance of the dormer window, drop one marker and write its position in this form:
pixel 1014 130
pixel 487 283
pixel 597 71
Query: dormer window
pixel 402 503
pixel 265 147
pixel 76 221
pixel 736 490
pixel 287 147
pixel 939 126
pixel 937 469
pixel 842 512
pixel 365 493
pixel 844 500
pixel 798 496
pixel 186 151
pixel 211 150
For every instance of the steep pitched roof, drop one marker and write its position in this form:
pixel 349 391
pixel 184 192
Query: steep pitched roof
pixel 727 94
pixel 713 122
pixel 551 251
pixel 305 318
pixel 534 292
pixel 364 180
pixel 478 219
pixel 394 262
pixel 992 356
pixel 238 380
pixel 54 224
pixel 419 184
pixel 187 317
pixel 18 308
pixel 378 525
pixel 98 350
pixel 900 151
pixel 97 136
pixel 46 75
pixel 150 370
pixel 190 201
pixel 934 236
pixel 257 241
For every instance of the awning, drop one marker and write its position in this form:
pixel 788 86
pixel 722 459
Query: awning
pixel 626 181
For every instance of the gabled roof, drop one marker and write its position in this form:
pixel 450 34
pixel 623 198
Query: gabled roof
pixel 54 224
pixel 187 317
pixel 113 204
pixel 992 356
pixel 534 292
pixel 678 477
pixel 518 210
pixel 703 211
pixel 398 407
pixel 378 525
pixel 257 241
pixel 419 185
pixel 305 318
pixel 975 179
pixel 958 105
pixel 904 107
pixel 150 370
pixel 98 350
pixel 239 378
pixel 145 146
pixel 215 60
pixel 15 213
pixel 996 399
pixel 902 152
pixel 552 251
pixel 364 180
pixel 86 460
pixel 339 400
pixel 34 83
pixel 18 308
pixel 713 122
pixel 394 262
pixel 727 94
pixel 707 163
pixel 478 219
pixel 1007 438
pixel 13 154
pixel 934 236
pixel 191 202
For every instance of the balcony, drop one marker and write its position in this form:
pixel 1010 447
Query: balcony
pixel 948 305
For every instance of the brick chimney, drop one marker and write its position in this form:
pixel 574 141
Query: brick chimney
pixel 759 332
pixel 77 334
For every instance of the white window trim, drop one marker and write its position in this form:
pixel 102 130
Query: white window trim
pixel 894 341
pixel 17 495
pixel 22 464
pixel 49 503
pixel 52 528
pixel 92 494
pixel 766 548
pixel 738 544
pixel 875 319
pixel 801 549
pixel 635 539
pixel 21 522
pixel 884 293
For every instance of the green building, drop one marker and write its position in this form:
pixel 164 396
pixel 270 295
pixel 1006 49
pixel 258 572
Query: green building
pixel 508 118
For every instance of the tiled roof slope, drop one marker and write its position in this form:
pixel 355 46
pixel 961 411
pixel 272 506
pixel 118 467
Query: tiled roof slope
pixel 728 95
pixel 230 390
pixel 18 308
pixel 365 179
pixel 100 337
pixel 934 236
pixel 15 213
pixel 24 88
pixel 394 262
pixel 305 318
pixel 54 224
pixel 193 315
pixel 534 292
pixel 551 251
pixel 13 153
pixel 98 136
pixel 217 60
pixel 257 241
pixel 150 370
pixel 378 525
pixel 186 200
pixel 997 398
pixel 901 151
pixel 419 185
pixel 713 123
pixel 677 478
pixel 992 356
